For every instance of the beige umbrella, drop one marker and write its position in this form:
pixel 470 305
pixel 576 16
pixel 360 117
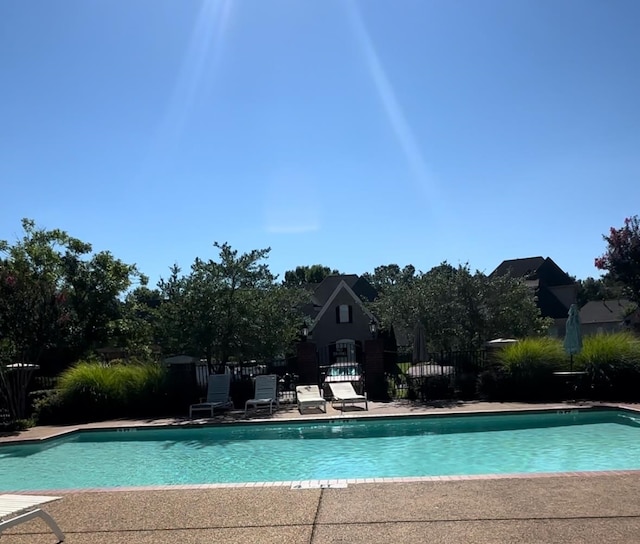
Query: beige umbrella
pixel 426 370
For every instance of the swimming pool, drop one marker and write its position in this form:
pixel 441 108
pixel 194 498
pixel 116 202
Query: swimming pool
pixel 339 449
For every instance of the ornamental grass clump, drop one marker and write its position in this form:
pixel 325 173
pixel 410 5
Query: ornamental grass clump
pixel 532 355
pixel 94 391
pixel 612 363
pixel 527 367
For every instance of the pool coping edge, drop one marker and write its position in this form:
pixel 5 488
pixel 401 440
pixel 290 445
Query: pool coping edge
pixel 213 422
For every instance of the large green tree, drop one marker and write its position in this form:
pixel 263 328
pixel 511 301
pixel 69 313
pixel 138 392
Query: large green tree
pixel 56 296
pixel 57 303
pixel 390 275
pixel 138 328
pixel 228 309
pixel 603 288
pixel 622 256
pixel 303 275
pixel 459 309
pixel 94 288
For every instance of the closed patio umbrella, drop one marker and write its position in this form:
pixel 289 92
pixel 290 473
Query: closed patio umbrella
pixel 573 334
pixel 419 344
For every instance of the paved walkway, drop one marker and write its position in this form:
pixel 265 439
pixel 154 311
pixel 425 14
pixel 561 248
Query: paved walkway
pixel 572 508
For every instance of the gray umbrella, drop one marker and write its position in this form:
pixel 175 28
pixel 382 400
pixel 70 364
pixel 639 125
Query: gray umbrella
pixel 419 343
pixel 573 334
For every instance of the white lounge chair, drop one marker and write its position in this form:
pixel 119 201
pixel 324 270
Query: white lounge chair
pixel 266 393
pixel 217 395
pixel 309 396
pixel 343 393
pixel 24 508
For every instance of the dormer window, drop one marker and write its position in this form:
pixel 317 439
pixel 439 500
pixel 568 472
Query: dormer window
pixel 344 314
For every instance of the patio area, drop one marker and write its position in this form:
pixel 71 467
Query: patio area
pixel 570 509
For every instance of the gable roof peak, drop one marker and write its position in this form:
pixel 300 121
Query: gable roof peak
pixel 327 286
pixel 518 267
pixel 527 267
pixel 342 285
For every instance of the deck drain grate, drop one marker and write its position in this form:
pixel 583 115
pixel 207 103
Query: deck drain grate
pixel 318 485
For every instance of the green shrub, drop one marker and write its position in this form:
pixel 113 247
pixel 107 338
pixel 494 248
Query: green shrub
pixel 397 387
pixel 531 355
pixel 465 385
pixel 437 388
pixel 91 391
pixel 494 384
pixel 429 388
pixel 16 425
pixel 612 363
pixel 527 368
pixel 51 409
pixel 608 349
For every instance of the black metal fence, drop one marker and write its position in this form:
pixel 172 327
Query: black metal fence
pixel 43 383
pixel 443 375
pixel 339 353
pixel 341 362
pixel 243 374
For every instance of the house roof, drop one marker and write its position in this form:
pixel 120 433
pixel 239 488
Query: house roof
pixel 364 289
pixel 540 275
pixel 542 269
pixel 323 290
pixel 519 267
pixel 550 305
pixel 604 311
pixel 343 284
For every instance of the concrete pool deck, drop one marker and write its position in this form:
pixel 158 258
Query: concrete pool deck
pixel 587 510
pixel 564 508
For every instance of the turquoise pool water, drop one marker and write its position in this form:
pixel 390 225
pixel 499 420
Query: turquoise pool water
pixel 428 446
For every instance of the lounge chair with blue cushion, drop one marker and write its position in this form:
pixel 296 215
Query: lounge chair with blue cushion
pixel 217 395
pixel 16 509
pixel 343 393
pixel 266 393
pixel 309 396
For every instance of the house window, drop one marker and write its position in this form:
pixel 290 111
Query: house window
pixel 344 314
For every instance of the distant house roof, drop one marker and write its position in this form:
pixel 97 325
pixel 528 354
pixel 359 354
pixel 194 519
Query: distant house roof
pixel 341 286
pixel 540 274
pixel 550 305
pixel 519 268
pixel 322 292
pixel 365 290
pixel 360 286
pixel 541 269
pixel 604 311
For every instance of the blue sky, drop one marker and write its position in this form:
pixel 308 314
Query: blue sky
pixel 346 133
